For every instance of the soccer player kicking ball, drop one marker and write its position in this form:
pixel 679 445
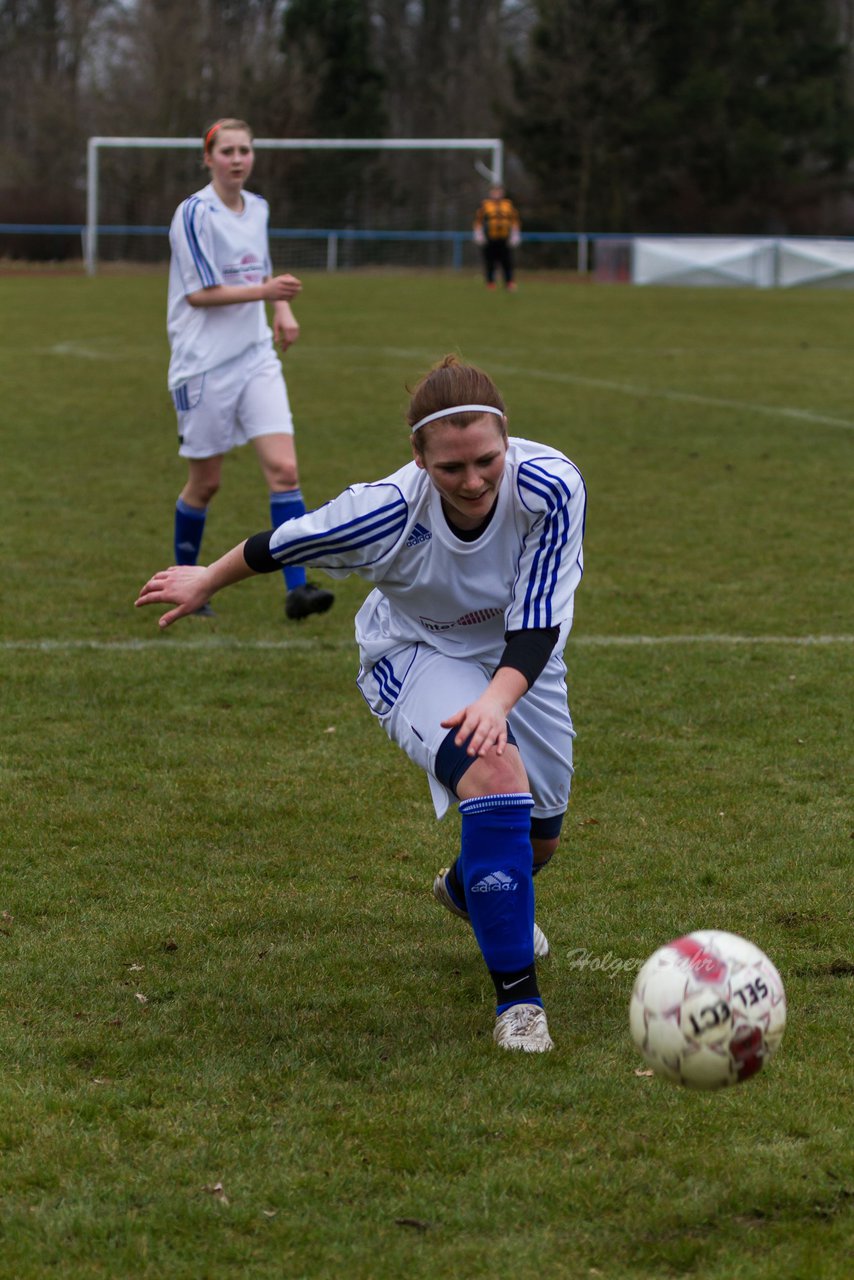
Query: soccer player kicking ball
pixel 475 551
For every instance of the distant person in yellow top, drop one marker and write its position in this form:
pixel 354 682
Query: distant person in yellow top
pixel 497 229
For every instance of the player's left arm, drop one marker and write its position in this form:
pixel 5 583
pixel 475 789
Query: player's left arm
pixel 514 237
pixel 525 655
pixel 550 489
pixel 485 720
pixel 285 326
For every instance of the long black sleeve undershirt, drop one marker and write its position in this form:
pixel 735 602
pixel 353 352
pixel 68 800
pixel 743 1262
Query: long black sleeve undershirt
pixel 526 651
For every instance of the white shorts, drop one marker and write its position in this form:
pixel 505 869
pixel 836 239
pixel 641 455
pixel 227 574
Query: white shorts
pixel 235 402
pixel 414 688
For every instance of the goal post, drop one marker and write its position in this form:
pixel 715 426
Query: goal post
pixel 494 170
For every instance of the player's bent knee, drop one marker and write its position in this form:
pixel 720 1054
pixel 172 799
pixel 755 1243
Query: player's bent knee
pixel 494 775
pixel 469 776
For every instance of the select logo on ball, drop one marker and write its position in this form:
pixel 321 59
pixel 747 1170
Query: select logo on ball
pixel 708 1010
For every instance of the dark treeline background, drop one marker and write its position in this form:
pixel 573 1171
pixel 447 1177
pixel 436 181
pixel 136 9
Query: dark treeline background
pixel 618 115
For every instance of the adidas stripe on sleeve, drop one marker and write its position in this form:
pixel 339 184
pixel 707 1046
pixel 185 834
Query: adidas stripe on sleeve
pixel 551 564
pixel 192 246
pixel 355 532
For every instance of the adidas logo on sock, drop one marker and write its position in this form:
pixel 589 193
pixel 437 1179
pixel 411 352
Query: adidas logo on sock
pixel 495 882
pixel 418 534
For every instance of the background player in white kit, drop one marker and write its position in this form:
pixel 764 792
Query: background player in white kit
pixel 475 550
pixel 225 378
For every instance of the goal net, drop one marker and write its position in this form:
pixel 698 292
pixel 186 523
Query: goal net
pixel 334 203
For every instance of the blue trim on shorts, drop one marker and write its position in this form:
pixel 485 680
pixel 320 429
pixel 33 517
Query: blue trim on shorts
pixel 387 682
pixel 452 761
pixel 547 828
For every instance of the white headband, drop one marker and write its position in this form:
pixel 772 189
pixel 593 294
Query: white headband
pixel 458 408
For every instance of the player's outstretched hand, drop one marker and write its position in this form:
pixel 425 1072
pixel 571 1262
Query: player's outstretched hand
pixel 484 721
pixel 184 585
pixel 281 288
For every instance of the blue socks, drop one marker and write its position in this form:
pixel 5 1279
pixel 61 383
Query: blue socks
pixel 283 507
pixel 189 528
pixel 495 867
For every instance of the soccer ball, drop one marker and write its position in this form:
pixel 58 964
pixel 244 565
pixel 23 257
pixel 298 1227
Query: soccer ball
pixel 708 1010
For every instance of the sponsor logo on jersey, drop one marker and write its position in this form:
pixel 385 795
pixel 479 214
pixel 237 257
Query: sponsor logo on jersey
pixel 249 269
pixel 495 882
pixel 418 535
pixel 467 620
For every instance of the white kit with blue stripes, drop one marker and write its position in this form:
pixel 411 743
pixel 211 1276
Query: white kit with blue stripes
pixel 431 586
pixel 439 598
pixel 212 245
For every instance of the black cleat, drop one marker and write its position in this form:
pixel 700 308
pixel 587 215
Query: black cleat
pixel 301 601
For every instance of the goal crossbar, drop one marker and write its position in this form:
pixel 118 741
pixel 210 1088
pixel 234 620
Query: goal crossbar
pixel 494 146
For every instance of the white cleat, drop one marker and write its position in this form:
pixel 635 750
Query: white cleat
pixel 442 894
pixel 523 1026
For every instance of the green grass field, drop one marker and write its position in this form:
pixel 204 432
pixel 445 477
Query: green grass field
pixel 239 1037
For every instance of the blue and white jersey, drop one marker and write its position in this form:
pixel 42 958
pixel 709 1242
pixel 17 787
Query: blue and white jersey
pixel 435 588
pixel 212 245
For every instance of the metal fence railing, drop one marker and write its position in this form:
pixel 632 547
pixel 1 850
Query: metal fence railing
pixel 332 249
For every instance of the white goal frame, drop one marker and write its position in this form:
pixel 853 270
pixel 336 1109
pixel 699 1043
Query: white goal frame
pixel 95 145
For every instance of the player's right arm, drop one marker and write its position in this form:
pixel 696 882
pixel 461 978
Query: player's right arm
pixel 189 586
pixel 274 289
pixel 195 257
pixel 354 533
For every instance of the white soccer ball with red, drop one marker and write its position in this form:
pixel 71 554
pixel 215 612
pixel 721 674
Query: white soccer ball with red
pixel 708 1010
